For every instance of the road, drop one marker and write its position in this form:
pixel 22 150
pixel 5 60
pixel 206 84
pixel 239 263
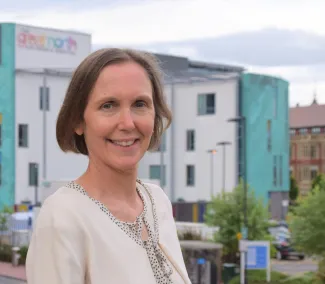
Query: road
pixel 4 280
pixel 294 267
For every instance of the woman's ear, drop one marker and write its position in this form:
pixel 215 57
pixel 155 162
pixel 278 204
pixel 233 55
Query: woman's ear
pixel 80 129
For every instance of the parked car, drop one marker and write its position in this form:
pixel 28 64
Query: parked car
pixel 285 249
pixel 282 243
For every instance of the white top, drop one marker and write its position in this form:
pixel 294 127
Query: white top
pixel 76 240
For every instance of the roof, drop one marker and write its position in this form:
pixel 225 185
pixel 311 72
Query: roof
pixel 177 63
pixel 307 116
pixel 215 66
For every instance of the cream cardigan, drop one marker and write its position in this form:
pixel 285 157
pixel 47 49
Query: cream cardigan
pixel 74 242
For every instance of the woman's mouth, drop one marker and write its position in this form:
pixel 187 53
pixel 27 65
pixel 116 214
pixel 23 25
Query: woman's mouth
pixel 123 143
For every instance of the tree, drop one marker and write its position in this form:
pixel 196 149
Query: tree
pixel 294 190
pixel 4 214
pixel 226 212
pixel 307 224
pixel 319 181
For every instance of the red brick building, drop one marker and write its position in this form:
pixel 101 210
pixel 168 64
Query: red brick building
pixel 307 143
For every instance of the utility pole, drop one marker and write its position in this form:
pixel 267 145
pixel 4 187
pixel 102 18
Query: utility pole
pixel 224 144
pixel 241 120
pixel 212 152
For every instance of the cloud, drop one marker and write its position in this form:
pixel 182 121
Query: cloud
pixel 146 21
pixel 284 38
pixel 267 47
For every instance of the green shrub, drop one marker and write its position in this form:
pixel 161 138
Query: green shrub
pixel 23 255
pixel 259 277
pixel 5 253
pixel 189 235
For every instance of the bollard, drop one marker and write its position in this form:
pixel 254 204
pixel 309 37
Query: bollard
pixel 15 256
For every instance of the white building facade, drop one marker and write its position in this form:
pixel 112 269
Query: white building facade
pixel 35 70
pixel 200 112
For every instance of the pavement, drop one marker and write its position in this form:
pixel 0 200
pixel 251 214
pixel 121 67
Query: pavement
pixel 294 267
pixel 12 275
pixel 6 280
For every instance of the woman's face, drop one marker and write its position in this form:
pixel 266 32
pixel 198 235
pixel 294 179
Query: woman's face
pixel 119 117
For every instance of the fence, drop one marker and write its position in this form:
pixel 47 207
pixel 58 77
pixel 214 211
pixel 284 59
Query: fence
pixel 16 231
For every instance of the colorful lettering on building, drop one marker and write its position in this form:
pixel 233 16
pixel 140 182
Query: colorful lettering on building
pixel 26 39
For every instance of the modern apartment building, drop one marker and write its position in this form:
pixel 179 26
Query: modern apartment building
pixel 202 152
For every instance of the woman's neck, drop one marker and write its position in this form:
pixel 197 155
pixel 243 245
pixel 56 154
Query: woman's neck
pixel 103 183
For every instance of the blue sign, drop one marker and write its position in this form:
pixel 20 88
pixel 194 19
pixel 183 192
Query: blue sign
pixel 257 257
pixel 200 261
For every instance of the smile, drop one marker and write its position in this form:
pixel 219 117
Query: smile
pixel 124 143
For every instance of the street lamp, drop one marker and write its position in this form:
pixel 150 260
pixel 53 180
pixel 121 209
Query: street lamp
pixel 224 144
pixel 212 152
pixel 241 120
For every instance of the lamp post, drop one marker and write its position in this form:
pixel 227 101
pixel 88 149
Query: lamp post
pixel 212 152
pixel 241 120
pixel 223 144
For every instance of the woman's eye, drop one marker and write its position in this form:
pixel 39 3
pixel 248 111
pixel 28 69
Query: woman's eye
pixel 107 105
pixel 140 104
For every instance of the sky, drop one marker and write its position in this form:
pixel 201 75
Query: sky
pixel 285 38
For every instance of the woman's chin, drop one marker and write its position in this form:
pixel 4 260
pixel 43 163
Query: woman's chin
pixel 126 166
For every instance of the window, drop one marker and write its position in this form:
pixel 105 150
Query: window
pixel 206 104
pixel 292 132
pixel 274 170
pixel 303 131
pixel 306 173
pixel 23 135
pixel 33 174
pixel 313 174
pixel 313 151
pixel 280 170
pixel 0 129
pixel 269 145
pixel 275 102
pixel 316 130
pixel 154 173
pixel 190 140
pixel 304 150
pixel 44 98
pixel 190 175
pixel 162 146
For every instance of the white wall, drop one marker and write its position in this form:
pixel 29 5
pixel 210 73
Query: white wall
pixel 209 129
pixel 60 166
pixel 35 48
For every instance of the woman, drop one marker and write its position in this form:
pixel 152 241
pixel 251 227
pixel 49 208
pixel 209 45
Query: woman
pixel 107 226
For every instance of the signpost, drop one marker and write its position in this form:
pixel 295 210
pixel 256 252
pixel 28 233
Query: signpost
pixel 257 257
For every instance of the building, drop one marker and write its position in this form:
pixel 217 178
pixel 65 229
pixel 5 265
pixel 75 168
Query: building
pixel 307 143
pixel 35 68
pixel 203 97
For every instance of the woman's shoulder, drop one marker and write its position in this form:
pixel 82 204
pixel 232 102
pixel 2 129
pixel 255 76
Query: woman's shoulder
pixel 157 192
pixel 61 206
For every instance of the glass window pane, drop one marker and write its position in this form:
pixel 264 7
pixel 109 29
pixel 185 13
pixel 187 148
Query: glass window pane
pixel 201 104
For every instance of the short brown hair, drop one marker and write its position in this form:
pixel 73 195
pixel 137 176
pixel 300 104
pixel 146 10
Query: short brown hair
pixel 82 84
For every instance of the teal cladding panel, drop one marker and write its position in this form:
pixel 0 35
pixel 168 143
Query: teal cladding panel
pixel 263 99
pixel 7 108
